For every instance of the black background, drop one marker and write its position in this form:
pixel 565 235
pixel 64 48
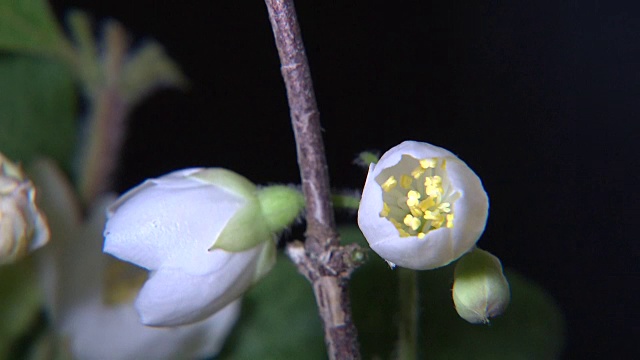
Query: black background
pixel 539 98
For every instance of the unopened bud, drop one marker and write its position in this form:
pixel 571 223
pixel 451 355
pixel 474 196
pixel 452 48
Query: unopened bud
pixel 480 289
pixel 22 226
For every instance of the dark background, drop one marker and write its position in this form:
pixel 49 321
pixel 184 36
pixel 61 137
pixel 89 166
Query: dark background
pixel 539 98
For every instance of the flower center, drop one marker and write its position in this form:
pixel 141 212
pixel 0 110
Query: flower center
pixel 417 196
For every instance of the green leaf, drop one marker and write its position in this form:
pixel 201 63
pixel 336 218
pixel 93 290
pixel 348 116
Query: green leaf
pixel 149 69
pixel 30 26
pixel 37 109
pixel 279 320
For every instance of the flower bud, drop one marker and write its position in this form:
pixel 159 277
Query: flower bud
pixel 422 207
pixel 480 289
pixel 23 227
pixel 206 235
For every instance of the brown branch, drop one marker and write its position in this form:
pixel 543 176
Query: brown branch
pixel 325 263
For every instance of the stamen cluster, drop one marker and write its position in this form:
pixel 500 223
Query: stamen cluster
pixel 420 201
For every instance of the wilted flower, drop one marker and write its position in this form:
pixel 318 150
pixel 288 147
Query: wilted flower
pixel 206 235
pixel 23 227
pixel 422 207
pixel 90 294
pixel 480 289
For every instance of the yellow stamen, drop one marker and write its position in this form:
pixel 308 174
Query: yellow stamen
pixel 420 204
pixel 406 181
pixel 389 184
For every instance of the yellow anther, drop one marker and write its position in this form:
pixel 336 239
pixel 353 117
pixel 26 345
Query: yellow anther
pixel 413 198
pixel 385 210
pixel 406 181
pixel 389 184
pixel 415 211
pixel 426 204
pixel 450 221
pixel 437 223
pixel 417 172
pixel 421 235
pixel 445 207
pixel 443 166
pixel 428 163
pixel 412 222
pixel 430 215
pixel 403 233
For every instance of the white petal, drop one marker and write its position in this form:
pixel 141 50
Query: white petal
pixel 158 225
pixel 432 251
pixel 98 332
pixel 173 297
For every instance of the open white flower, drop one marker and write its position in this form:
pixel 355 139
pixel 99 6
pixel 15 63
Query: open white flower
pixel 422 207
pixel 204 236
pixel 89 294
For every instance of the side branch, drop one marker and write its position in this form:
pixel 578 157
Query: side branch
pixel 325 263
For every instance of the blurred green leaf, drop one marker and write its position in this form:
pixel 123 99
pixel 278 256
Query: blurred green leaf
pixel 30 26
pixel 279 320
pixel 37 109
pixel 20 302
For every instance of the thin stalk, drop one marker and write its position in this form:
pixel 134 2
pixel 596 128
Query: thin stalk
pixel 408 331
pixel 325 263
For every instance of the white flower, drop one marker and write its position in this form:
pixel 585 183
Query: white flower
pixel 23 227
pixel 422 207
pixel 90 295
pixel 203 236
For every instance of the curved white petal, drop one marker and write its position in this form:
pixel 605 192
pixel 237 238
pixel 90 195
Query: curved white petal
pixel 153 226
pixel 439 246
pixel 173 297
pixel 98 332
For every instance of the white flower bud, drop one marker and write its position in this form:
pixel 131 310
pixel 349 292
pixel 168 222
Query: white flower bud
pixel 203 235
pixel 422 207
pixel 23 227
pixel 480 289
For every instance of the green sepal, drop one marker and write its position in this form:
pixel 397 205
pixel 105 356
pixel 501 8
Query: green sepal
pixel 280 205
pixel 246 229
pixel 266 261
pixel 227 180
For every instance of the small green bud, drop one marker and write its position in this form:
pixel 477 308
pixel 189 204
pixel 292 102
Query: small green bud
pixel 23 227
pixel 367 158
pixel 480 289
pixel 280 205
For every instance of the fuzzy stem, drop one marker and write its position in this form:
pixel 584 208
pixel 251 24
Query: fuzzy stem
pixel 408 331
pixel 325 263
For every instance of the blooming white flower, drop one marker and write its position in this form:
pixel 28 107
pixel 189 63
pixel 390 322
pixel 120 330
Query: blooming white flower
pixel 422 207
pixel 90 295
pixel 204 236
pixel 23 227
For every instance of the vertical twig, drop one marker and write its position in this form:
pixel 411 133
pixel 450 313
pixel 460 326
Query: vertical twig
pixel 325 263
